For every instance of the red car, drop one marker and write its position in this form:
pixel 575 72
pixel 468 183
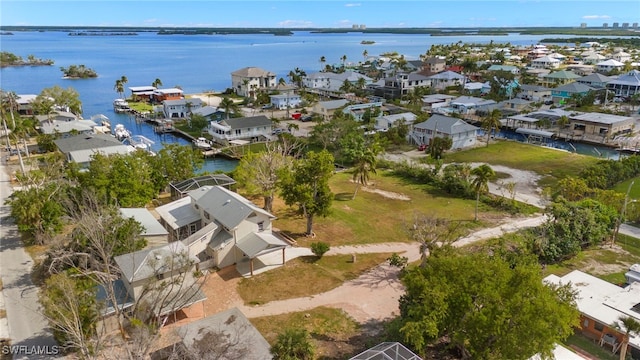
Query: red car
pixel 296 116
pixel 422 147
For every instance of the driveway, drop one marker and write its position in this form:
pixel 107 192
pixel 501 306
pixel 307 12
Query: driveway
pixel 28 328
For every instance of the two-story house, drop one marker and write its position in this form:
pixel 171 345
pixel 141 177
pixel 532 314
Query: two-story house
pixel 608 66
pixel 460 132
pixel 160 95
pixel 445 79
pixel 180 108
pixel 251 128
pixel 248 80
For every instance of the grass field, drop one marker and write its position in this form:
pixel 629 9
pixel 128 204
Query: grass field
pixel 306 276
pixel 376 217
pixel 552 164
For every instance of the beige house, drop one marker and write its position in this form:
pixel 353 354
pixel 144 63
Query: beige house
pixel 598 126
pixel 246 81
pixel 327 108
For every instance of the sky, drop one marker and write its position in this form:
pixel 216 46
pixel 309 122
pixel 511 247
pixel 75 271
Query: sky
pixel 323 14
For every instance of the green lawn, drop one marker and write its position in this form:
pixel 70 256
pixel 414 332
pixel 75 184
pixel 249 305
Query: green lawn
pixel 623 187
pixel 590 347
pixel 375 218
pixel 552 164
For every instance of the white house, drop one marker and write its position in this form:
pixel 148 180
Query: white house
pixel 332 82
pixel 461 133
pixel 621 56
pixel 250 79
pixel 385 122
pixel 251 128
pixel 283 101
pixel 609 65
pixel 180 108
pixel 445 79
pixel 545 62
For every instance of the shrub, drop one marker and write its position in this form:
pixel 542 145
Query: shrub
pixel 319 248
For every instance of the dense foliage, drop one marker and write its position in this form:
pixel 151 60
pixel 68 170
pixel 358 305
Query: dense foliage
pixel 78 72
pixel 10 59
pixel 607 173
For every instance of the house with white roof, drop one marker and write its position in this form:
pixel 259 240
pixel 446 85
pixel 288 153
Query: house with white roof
pixel 445 79
pixel 328 82
pixel 153 232
pixel 626 84
pixel 621 56
pixel 592 58
pixel 252 128
pixel 460 132
pixel 283 101
pixel 599 125
pixel 247 80
pixel 181 108
pixel 385 122
pixel 601 305
pixel 81 148
pixel 468 105
pixel 608 66
pixel 430 102
pixel 545 62
pixel 221 228
pixel 23 101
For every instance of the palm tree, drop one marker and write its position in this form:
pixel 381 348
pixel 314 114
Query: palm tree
pixel 365 53
pixel 343 59
pixel 156 83
pixel 322 61
pixel 482 174
pixel 631 326
pixel 228 105
pixel 293 344
pixel 562 122
pixel 491 122
pixel 293 126
pixel 119 87
pixel 364 164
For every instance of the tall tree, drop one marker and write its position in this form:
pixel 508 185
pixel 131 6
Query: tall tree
pixel 306 184
pixel 362 153
pixel 119 88
pixel 156 83
pixel 229 106
pixel 323 60
pixel 343 58
pixel 491 122
pixel 631 328
pixel 481 176
pixel 476 302
pixel 64 98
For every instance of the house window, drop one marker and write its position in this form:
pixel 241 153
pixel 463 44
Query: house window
pixel 261 226
pixel 193 228
pixel 598 326
pixel 196 206
pixel 585 323
pixel 207 216
pixel 238 131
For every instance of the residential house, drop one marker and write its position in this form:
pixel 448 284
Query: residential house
pixel 358 111
pixel 434 101
pixel 599 126
pixel 414 65
pixel 142 93
pixel 144 271
pixel 508 68
pixel 225 335
pixel 220 227
pixel 401 84
pixel 563 93
pixel 475 88
pixel 327 108
pixel 592 58
pixel 160 95
pixel 210 112
pixel 66 128
pixel 433 65
pixel 446 79
pixel 626 84
pixel 387 350
pixel 601 305
pixel 545 62
pixel 180 108
pixel 516 105
pixel 385 122
pixel 23 102
pixel 621 56
pixel 560 77
pixel 461 133
pixel 328 83
pixel 153 232
pixel 534 92
pixel 595 80
pixel 466 105
pixel 80 148
pixel 581 69
pixel 283 101
pixel 250 79
pixel 251 128
pixel 608 66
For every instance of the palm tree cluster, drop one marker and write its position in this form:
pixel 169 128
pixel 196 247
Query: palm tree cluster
pixel 119 86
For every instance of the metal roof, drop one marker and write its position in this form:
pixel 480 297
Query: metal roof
pixel 260 243
pixel 148 263
pixel 178 213
pixel 387 351
pixel 247 122
pixel 225 206
pixel 525 131
pixel 446 125
pixel 146 219
pixel 85 142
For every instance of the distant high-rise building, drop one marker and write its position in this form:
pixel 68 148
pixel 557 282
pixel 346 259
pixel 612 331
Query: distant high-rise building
pixel 615 25
pixel 583 25
pixel 354 26
pixel 634 25
pixel 363 26
pixel 625 25
pixel 605 25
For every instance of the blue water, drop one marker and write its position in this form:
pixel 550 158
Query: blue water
pixel 196 63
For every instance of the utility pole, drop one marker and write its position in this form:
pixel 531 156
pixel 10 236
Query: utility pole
pixel 622 214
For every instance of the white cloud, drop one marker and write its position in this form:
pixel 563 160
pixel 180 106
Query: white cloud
pixel 352 5
pixel 295 23
pixel 590 17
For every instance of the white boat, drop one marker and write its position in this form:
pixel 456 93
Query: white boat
pixel 202 143
pixel 121 132
pixel 121 105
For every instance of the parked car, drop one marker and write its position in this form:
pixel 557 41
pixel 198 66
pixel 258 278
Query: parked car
pixel 296 116
pixel 267 106
pixel 277 131
pixel 422 147
pixel 306 118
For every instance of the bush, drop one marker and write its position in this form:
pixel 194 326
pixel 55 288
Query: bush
pixel 319 248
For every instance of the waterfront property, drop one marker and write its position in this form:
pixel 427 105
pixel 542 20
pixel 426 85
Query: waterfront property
pixel 626 84
pixel 160 95
pixel 599 127
pixel 180 108
pixel 562 94
pixel 253 128
pixel 81 148
pixel 248 80
pixel 284 101
pixel 142 93
pixel 461 133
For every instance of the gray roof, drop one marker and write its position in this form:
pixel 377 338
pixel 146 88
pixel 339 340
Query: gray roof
pixel 146 219
pixel 562 74
pixel 631 78
pixel 232 331
pixel 601 118
pixel 447 75
pixel 595 77
pixel 256 244
pixel 85 142
pixel 193 101
pixel 206 111
pixel 387 351
pixel 526 87
pixel 57 126
pixel 446 125
pixel 207 231
pixel 225 206
pixel 84 156
pixel 253 72
pixel 409 117
pixel 574 87
pixel 247 122
pixel 333 104
pixel 178 213
pixel 148 263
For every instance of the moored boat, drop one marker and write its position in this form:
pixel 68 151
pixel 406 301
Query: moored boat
pixel 202 143
pixel 121 132
pixel 121 105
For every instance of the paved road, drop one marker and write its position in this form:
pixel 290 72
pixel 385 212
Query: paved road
pixel 27 325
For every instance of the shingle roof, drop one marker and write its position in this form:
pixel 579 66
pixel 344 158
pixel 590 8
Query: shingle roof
pixel 631 78
pixel 574 87
pixel 246 122
pixel 446 125
pixel 85 142
pixel 252 72
pixel 148 263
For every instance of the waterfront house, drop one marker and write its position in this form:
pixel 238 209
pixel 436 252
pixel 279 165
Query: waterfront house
pixel 160 95
pixel 80 148
pixel 66 128
pixel 220 227
pixel 466 105
pixel 385 122
pixel 595 80
pixel 209 112
pixel 626 84
pixel 534 92
pixel 143 271
pixel 181 108
pixel 600 127
pixel 601 305
pixel 284 101
pixel 248 80
pixel 142 93
pixel 561 94
pixel 461 133
pixel 545 62
pixel 23 103
pixel 328 83
pixel 153 232
pixel 252 128
pixel 561 77
pixel 430 102
pixel 446 79
pixel 608 66
pixel 327 108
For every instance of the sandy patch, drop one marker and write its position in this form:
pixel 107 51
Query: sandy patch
pixel 209 99
pixel 387 194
